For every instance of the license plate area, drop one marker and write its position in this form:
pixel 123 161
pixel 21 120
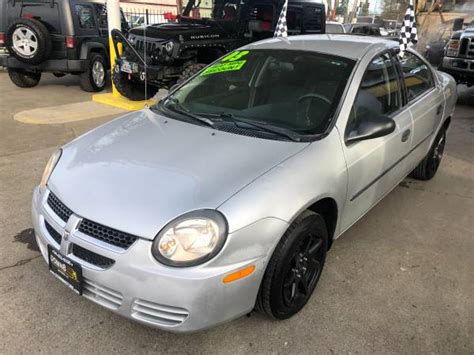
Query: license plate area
pixel 66 270
pixel 127 67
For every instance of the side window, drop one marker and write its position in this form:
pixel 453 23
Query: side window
pixel 417 75
pixel 379 92
pixel 101 11
pixel 85 16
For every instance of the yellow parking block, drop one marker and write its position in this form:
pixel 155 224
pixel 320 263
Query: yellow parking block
pixel 121 102
pixel 66 113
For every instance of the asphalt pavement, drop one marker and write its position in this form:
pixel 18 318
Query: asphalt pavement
pixel 399 281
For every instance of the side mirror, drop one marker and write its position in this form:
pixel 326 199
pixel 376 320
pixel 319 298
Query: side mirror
pixel 371 127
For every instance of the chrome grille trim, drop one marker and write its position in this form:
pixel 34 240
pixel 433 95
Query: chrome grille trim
pixel 102 295
pixel 158 314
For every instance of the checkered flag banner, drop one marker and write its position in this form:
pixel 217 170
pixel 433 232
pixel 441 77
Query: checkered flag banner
pixel 281 30
pixel 408 33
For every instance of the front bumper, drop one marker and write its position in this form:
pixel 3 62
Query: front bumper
pixel 462 69
pixel 136 286
pixel 52 65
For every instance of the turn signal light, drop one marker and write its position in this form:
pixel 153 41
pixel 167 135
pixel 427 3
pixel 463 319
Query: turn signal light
pixel 2 38
pixel 239 274
pixel 70 42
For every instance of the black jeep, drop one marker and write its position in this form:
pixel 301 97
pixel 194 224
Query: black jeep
pixel 165 54
pixel 57 36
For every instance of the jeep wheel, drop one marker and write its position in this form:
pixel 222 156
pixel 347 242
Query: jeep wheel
pixel 294 268
pixel 29 41
pixel 23 78
pixel 132 90
pixel 189 71
pixel 94 79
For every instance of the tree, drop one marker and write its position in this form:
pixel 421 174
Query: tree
pixel 393 9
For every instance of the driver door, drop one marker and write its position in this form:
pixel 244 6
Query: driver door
pixel 375 166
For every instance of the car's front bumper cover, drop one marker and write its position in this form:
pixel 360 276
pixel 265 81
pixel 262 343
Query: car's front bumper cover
pixel 176 299
pixel 460 68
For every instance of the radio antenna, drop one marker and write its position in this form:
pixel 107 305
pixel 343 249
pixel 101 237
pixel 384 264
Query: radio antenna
pixel 146 60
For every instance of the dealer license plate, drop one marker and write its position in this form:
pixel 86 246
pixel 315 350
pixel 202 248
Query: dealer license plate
pixel 65 270
pixel 126 67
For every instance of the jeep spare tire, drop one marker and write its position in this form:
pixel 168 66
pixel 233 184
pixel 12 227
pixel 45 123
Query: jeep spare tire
pixel 29 41
pixel 130 88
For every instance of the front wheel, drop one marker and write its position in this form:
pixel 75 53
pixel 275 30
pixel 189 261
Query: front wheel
pixel 23 78
pixel 428 167
pixel 189 71
pixel 131 89
pixel 294 268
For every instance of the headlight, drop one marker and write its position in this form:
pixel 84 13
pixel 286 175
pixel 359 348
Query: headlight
pixel 191 239
pixel 50 167
pixel 169 46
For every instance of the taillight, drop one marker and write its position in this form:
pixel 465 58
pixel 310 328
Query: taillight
pixel 453 47
pixel 2 38
pixel 70 42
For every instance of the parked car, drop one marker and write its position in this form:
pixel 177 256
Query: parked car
pixel 334 27
pixel 60 37
pixel 173 52
pixel 366 29
pixel 228 194
pixel 459 57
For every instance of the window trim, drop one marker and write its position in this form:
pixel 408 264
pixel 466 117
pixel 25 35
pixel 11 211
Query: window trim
pixel 400 96
pixel 426 92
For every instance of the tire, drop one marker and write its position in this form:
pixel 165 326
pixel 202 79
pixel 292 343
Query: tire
pixel 428 167
pixel 189 71
pixel 131 89
pixel 293 273
pixel 23 78
pixel 95 78
pixel 28 40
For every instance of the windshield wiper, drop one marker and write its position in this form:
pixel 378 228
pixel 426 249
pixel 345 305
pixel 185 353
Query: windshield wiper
pixel 178 107
pixel 284 132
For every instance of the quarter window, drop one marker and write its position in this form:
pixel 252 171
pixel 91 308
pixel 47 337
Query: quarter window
pixel 85 16
pixel 379 92
pixel 101 11
pixel 417 75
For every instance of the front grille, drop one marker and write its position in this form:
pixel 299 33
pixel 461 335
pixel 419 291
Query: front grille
pixel 102 295
pixel 91 257
pixel 58 207
pixel 106 234
pixel 53 233
pixel 150 46
pixel 158 314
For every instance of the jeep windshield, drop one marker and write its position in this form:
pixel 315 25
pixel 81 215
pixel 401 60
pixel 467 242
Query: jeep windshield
pixel 297 91
pixel 224 10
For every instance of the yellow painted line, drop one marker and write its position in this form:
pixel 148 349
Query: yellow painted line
pixel 66 113
pixel 121 102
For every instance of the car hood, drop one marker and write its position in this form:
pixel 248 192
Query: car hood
pixel 187 30
pixel 140 171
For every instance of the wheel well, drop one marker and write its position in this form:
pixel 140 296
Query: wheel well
pixel 447 123
pixel 101 51
pixel 327 208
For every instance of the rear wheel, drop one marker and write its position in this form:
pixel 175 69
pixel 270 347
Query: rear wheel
pixel 94 79
pixel 189 71
pixel 294 268
pixel 131 89
pixel 428 167
pixel 23 78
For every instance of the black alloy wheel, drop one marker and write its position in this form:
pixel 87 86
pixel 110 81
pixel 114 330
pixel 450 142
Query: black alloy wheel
pixel 294 268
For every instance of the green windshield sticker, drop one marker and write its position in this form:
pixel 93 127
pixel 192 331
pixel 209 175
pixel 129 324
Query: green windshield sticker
pixel 231 62
pixel 224 67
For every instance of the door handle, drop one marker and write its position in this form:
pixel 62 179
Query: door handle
pixel 439 109
pixel 405 135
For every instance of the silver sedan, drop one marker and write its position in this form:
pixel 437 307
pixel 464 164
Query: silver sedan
pixel 227 195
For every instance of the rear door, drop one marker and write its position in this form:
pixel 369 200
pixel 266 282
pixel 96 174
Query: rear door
pixel 426 103
pixel 375 166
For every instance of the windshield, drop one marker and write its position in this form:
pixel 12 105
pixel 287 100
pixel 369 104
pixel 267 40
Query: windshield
pixel 294 90
pixel 216 9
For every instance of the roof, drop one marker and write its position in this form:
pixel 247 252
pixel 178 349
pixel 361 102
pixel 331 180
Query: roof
pixel 348 46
